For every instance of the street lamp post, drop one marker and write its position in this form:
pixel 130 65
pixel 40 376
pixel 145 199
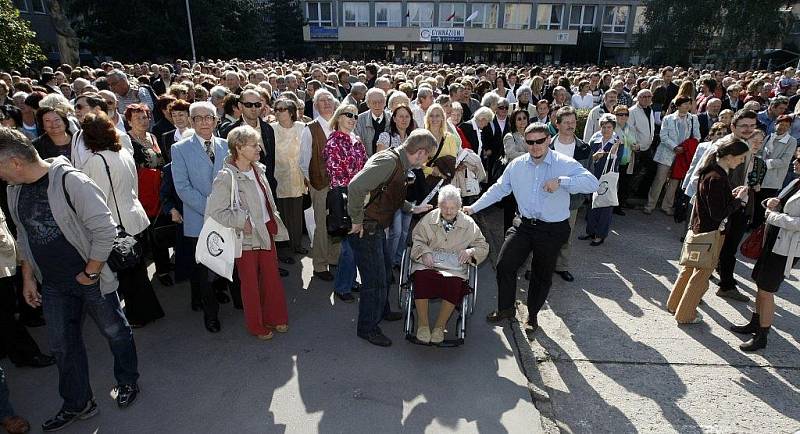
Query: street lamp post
pixel 191 35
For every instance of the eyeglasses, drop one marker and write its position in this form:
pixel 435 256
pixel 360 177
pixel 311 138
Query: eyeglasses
pixel 537 142
pixel 281 109
pixel 349 115
pixel 622 114
pixel 251 104
pixel 502 107
pixel 198 119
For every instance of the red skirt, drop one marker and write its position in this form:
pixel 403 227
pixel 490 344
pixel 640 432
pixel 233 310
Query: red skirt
pixel 430 284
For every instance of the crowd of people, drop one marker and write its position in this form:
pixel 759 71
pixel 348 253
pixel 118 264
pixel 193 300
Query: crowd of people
pixel 96 159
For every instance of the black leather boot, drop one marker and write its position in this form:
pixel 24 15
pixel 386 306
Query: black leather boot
pixel 758 342
pixel 747 329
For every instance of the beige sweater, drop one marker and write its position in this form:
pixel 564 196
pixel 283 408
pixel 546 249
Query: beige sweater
pixel 429 236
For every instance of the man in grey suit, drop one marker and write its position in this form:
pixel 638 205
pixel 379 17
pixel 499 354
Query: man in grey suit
pixel 196 160
pixel 374 121
pixel 357 93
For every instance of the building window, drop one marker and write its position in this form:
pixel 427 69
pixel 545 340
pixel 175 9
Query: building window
pixel 517 16
pixel 581 18
pixel 452 14
pixel 21 5
pixel 319 14
pixel 484 15
pixel 615 19
pixel 638 20
pixel 37 6
pixel 420 14
pixel 356 14
pixel 388 14
pixel 549 17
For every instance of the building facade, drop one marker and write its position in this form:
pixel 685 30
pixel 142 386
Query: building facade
pixel 37 13
pixel 476 31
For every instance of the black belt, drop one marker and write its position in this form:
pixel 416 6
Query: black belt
pixel 537 222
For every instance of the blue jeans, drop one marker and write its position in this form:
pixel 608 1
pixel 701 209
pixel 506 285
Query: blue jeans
pixel 346 271
pixel 398 235
pixel 65 306
pixel 5 405
pixel 375 265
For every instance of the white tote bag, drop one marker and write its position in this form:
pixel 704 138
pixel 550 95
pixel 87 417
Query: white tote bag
pixel 218 246
pixel 606 194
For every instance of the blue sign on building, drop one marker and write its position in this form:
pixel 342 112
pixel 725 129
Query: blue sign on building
pixel 324 32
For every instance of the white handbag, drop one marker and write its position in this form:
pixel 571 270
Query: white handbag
pixel 218 246
pixel 606 194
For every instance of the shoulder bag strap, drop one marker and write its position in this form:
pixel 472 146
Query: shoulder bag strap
pixel 382 187
pixel 431 162
pixel 66 193
pixel 113 194
pixel 234 198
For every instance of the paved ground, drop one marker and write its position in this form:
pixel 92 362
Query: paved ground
pixel 612 359
pixel 317 378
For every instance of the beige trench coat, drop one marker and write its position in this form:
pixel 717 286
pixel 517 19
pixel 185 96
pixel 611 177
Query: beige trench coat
pixel 429 236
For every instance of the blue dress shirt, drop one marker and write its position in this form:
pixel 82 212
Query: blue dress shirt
pixel 526 180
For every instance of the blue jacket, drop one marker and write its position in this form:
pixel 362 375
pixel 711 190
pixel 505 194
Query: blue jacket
pixel 193 173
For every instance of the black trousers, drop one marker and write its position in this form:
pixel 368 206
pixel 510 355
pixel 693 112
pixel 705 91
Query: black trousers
pixel 545 241
pixel 737 225
pixel 509 211
pixel 200 283
pixel 15 341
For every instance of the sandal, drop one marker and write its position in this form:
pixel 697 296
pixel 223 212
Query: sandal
pixel 265 337
pixel 16 425
pixel 282 328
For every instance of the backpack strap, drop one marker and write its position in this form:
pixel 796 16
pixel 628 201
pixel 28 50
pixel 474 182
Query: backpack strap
pixel 381 188
pixel 66 192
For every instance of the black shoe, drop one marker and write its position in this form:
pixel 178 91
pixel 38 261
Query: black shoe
pixel 393 316
pixel 34 321
pixel 324 275
pixel 356 288
pixel 347 298
pixel 287 260
pixel 566 275
pixel 747 329
pixel 530 328
pixel 213 325
pixel 301 251
pixel 125 394
pixel 282 272
pixel 500 315
pixel 377 338
pixel 37 361
pixel 732 294
pixel 165 279
pixel 618 210
pixel 758 341
pixel 65 418
pixel 586 237
pixel 222 298
pixel 597 243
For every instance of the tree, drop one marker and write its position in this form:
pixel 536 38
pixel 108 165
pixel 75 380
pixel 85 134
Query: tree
pixel 285 28
pixel 676 30
pixel 17 41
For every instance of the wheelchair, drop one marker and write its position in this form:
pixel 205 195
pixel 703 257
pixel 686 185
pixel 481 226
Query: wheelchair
pixel 406 301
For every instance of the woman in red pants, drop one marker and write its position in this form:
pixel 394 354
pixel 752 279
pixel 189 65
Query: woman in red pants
pixel 253 213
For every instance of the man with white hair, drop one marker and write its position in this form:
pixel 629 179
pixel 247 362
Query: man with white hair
pixel 709 116
pixel 374 121
pixel 196 160
pixel 233 82
pixel 358 91
pixel 420 106
pixel 324 252
pixel 217 97
pixel 118 83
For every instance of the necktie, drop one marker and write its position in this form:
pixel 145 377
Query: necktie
pixel 209 150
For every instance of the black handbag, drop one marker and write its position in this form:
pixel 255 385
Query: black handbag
pixel 337 220
pixel 126 252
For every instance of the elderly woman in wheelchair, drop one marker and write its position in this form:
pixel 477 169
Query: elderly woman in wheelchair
pixel 445 242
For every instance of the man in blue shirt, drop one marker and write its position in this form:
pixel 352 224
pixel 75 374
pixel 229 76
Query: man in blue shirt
pixel 542 182
pixel 768 117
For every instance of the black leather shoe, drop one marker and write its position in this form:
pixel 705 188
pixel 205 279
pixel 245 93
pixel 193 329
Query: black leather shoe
pixel 597 243
pixel 530 328
pixel 125 394
pixel 65 418
pixel 500 315
pixel 377 338
pixel 287 260
pixel 37 361
pixel 282 272
pixel 356 288
pixel 618 210
pixel 165 279
pixel 213 325
pixel 347 298
pixel 393 316
pixel 324 275
pixel 586 237
pixel 223 298
pixel 566 275
pixel 301 251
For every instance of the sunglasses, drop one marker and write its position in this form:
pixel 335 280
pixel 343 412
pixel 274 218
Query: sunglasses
pixel 622 114
pixel 349 115
pixel 537 142
pixel 252 104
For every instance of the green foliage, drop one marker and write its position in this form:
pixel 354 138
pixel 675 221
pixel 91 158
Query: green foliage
pixel 675 30
pixel 135 30
pixel 17 41
pixel 285 28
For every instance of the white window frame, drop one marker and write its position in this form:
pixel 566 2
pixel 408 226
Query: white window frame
pixel 390 21
pixel 549 24
pixel 24 8
pixel 414 18
pixel 447 9
pixel 582 25
pixel 516 16
pixel 615 27
pixel 361 14
pixel 319 22
pixel 484 8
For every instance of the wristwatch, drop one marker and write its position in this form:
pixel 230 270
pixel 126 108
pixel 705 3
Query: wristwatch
pixel 91 276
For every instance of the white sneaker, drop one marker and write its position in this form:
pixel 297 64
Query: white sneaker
pixel 437 336
pixel 697 319
pixel 424 334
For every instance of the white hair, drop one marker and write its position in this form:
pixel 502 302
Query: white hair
pixel 483 112
pixel 522 89
pixel 56 101
pixel 202 105
pixel 449 193
pixel 375 92
pixel 490 99
pixel 318 94
pixel 219 92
